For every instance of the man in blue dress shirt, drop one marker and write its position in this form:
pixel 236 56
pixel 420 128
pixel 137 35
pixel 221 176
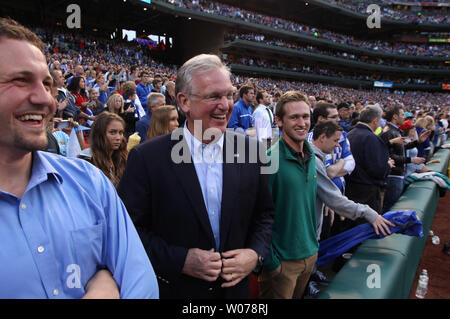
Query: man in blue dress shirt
pixel 61 221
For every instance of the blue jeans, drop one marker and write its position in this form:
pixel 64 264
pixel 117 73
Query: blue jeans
pixel 394 190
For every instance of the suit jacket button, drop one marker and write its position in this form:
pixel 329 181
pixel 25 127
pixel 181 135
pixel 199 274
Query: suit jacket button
pixel 210 289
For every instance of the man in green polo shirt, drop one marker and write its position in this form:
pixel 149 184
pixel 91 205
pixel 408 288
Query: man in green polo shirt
pixel 294 245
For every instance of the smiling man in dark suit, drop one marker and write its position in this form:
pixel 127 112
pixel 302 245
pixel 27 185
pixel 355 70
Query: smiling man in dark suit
pixel 197 197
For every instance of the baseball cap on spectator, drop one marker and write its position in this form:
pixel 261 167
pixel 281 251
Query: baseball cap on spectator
pixel 406 125
pixel 408 115
pixel 343 104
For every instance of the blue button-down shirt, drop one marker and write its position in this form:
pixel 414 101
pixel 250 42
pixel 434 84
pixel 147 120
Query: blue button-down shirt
pixel 68 224
pixel 208 161
pixel 142 92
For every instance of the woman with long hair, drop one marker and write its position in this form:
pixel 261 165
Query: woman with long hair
pixel 108 146
pixel 115 104
pixel 77 88
pixel 164 120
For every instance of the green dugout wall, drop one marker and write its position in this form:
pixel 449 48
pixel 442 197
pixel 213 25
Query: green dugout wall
pixel 395 257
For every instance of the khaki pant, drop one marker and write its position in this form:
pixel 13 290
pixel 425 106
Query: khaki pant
pixel 290 283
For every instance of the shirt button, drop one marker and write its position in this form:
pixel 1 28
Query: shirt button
pixel 55 292
pixel 213 213
pixel 211 190
pixel 23 206
pixel 41 249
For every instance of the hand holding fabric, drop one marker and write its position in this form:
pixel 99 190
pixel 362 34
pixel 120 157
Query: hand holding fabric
pixel 381 224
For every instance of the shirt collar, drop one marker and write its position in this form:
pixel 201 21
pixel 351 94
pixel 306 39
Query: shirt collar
pixel 262 106
pixel 246 104
pixel 366 125
pixel 317 151
pixel 41 169
pixel 196 147
pixel 306 154
pixel 392 124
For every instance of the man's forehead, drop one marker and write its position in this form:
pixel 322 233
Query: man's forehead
pixel 214 80
pixel 21 57
pixel 297 107
pixel 332 110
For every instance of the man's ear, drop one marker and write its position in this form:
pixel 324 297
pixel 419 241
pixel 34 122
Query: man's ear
pixel 184 102
pixel 321 118
pixel 322 138
pixel 279 122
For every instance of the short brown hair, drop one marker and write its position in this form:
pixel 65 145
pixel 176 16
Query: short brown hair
pixel 289 96
pixel 11 29
pixel 245 89
pixel 128 89
pixel 394 110
pixel 260 95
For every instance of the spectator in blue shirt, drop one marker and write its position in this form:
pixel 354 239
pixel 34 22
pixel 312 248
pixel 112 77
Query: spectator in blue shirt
pixel 144 88
pixel 241 118
pixel 61 218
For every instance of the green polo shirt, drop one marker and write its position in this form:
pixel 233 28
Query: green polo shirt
pixel 293 189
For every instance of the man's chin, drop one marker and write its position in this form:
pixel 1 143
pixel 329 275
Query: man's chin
pixel 32 144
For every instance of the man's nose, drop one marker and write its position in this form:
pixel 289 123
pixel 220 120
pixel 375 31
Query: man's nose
pixel 40 95
pixel 301 121
pixel 223 101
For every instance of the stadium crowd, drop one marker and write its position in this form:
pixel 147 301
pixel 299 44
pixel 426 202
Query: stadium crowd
pixel 198 229
pixel 261 38
pixel 389 11
pixel 262 62
pixel 278 23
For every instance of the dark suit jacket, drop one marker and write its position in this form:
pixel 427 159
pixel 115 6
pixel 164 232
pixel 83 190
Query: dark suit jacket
pixel 165 201
pixel 371 157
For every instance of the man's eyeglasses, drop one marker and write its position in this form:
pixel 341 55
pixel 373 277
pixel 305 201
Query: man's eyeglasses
pixel 215 97
pixel 333 117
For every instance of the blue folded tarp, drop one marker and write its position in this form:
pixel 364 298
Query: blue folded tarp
pixel 405 223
